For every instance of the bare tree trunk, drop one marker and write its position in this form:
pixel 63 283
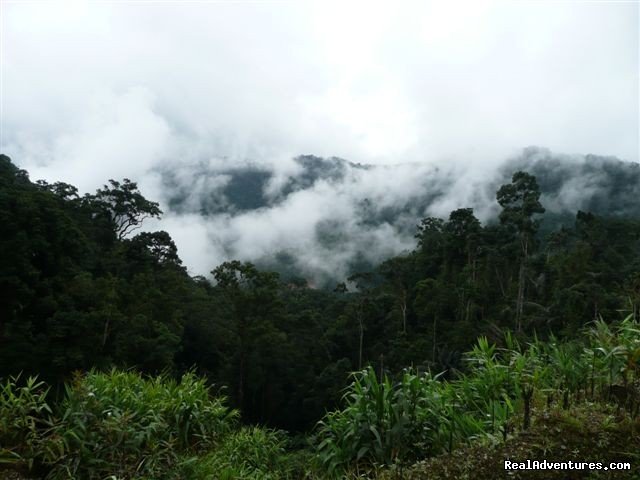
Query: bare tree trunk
pixel 504 294
pixel 521 283
pixel 242 366
pixel 106 332
pixel 361 340
pixel 241 381
pixel 520 299
pixel 403 309
pixel 433 353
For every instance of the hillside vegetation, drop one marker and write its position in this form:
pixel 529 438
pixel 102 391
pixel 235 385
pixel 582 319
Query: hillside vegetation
pixel 559 401
pixel 146 372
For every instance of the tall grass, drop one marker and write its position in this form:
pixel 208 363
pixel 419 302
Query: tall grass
pixel 250 453
pixel 121 425
pixel 112 425
pixel 25 418
pixel 385 422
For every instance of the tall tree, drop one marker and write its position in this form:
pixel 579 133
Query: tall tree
pixel 463 238
pixel 255 308
pixel 125 206
pixel 520 202
pixel 365 283
pixel 397 272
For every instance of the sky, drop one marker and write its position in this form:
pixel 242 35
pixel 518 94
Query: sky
pixel 92 90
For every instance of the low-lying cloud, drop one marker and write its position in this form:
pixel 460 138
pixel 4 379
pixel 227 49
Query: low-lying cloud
pixel 329 217
pixel 181 96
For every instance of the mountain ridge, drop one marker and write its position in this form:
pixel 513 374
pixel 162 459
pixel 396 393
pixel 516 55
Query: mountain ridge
pixel 322 218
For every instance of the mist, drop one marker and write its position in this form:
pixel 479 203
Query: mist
pixel 425 102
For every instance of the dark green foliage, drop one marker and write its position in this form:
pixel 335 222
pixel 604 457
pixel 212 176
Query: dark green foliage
pixel 122 425
pixel 383 422
pixel 78 291
pixel 520 201
pixel 24 418
pixel 586 432
pixel 111 424
pixel 245 189
pixel 119 423
pixel 124 206
pixel 75 293
pixel 249 453
pixel 604 186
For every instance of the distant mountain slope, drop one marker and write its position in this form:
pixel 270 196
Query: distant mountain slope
pixel 323 217
pixel 234 189
pixel 602 185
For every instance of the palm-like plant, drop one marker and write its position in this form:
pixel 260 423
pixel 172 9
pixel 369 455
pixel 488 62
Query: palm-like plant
pixel 386 422
pixel 383 422
pixel 119 423
pixel 24 417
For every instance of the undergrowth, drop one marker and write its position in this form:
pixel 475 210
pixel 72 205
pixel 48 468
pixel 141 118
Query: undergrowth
pixel 577 400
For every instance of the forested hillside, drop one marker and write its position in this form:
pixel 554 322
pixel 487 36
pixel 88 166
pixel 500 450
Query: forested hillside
pixel 324 218
pixel 603 185
pixel 82 287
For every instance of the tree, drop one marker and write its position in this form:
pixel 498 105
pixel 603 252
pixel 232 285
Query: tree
pixel 520 202
pixel 431 243
pixel 430 233
pixel 125 206
pixel 254 306
pixel 157 245
pixel 428 302
pixel 364 283
pixel 61 189
pixel 463 229
pixel 463 238
pixel 397 273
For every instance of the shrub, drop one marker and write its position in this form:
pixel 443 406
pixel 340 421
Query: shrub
pixel 387 423
pixel 121 424
pixel 25 416
pixel 249 453
pixel 383 422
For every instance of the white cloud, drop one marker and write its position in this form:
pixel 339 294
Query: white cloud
pixel 94 90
